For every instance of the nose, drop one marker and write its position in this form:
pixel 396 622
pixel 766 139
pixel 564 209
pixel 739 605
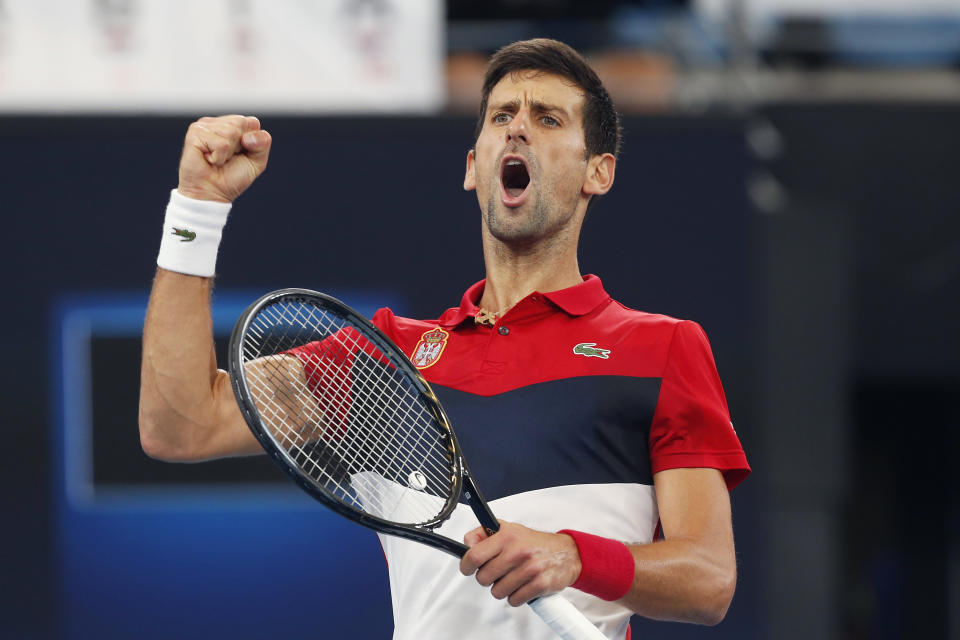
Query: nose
pixel 518 130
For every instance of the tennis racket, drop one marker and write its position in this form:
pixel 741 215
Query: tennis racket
pixel 348 417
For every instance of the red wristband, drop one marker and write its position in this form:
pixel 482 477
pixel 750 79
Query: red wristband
pixel 607 565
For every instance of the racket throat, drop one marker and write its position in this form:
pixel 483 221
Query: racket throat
pixel 480 509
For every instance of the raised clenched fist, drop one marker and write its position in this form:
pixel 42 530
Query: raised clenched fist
pixel 222 157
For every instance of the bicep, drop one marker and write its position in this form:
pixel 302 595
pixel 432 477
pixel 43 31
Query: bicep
pixel 277 386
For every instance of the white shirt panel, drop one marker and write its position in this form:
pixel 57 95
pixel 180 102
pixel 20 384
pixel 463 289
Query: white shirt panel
pixel 432 600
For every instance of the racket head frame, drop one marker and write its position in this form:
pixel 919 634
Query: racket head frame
pixel 462 482
pixel 558 613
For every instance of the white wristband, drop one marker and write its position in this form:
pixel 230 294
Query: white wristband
pixel 191 235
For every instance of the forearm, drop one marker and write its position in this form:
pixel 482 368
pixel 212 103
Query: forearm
pixel 187 408
pixel 680 580
pixel 179 382
pixel 690 576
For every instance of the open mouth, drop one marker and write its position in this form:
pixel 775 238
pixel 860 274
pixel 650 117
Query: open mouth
pixel 514 176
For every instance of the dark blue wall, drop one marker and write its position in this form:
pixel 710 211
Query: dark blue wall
pixel 346 204
pixel 373 207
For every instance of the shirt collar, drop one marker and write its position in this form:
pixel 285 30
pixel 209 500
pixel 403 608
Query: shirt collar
pixel 578 300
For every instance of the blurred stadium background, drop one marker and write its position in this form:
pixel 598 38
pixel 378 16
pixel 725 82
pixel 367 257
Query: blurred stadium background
pixel 789 180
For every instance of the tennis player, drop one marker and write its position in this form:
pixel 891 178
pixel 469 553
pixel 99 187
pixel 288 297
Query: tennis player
pixel 600 434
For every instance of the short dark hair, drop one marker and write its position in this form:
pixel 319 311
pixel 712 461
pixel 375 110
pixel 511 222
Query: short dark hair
pixel 601 123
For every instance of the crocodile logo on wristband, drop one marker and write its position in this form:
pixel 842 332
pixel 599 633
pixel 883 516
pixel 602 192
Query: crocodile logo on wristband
pixel 185 234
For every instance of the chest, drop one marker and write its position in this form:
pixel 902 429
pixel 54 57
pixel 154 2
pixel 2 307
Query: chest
pixel 578 430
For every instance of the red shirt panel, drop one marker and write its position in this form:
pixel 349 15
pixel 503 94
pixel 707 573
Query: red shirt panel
pixel 535 342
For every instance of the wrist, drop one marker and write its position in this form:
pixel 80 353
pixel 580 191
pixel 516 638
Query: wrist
pixel 201 195
pixel 607 566
pixel 191 235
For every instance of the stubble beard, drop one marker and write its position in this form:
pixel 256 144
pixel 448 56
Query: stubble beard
pixel 523 230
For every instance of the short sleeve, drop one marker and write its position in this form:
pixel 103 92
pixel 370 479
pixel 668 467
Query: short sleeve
pixel 691 426
pixel 328 367
pixel 383 319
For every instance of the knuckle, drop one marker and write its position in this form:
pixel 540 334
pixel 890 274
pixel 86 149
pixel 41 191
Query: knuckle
pixel 530 572
pixel 523 555
pixel 538 583
pixel 223 134
pixel 537 565
pixel 235 121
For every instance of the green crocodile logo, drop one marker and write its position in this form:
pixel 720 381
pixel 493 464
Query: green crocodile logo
pixel 590 350
pixel 185 234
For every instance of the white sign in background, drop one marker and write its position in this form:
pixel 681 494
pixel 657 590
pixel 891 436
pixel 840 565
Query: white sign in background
pixel 187 56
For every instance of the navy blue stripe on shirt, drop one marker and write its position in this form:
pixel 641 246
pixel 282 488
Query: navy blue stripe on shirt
pixel 587 430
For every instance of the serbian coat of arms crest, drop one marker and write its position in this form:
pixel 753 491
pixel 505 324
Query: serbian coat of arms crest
pixel 430 348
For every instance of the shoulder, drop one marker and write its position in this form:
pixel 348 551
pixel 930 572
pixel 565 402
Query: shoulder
pixel 653 338
pixel 643 324
pixel 647 318
pixel 385 318
pixel 404 331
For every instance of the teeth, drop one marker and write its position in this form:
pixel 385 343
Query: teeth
pixel 512 163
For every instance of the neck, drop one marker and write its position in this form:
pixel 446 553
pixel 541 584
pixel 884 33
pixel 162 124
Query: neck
pixel 513 273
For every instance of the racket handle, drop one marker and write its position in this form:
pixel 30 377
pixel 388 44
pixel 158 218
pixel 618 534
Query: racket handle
pixel 565 619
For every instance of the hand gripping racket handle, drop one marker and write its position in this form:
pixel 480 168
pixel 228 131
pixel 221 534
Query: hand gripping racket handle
pixel 565 619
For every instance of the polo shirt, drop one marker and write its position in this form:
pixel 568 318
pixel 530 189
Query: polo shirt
pixel 565 408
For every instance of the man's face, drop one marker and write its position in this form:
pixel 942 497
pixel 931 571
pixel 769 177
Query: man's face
pixel 529 164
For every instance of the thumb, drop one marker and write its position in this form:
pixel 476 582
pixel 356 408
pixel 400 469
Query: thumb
pixel 257 145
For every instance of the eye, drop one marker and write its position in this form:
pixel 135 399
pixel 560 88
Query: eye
pixel 550 121
pixel 501 118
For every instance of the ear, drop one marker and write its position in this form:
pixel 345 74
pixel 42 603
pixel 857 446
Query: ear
pixel 470 177
pixel 600 170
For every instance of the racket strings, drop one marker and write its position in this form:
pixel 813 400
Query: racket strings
pixel 350 451
pixel 307 455
pixel 346 416
pixel 413 412
pixel 407 442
